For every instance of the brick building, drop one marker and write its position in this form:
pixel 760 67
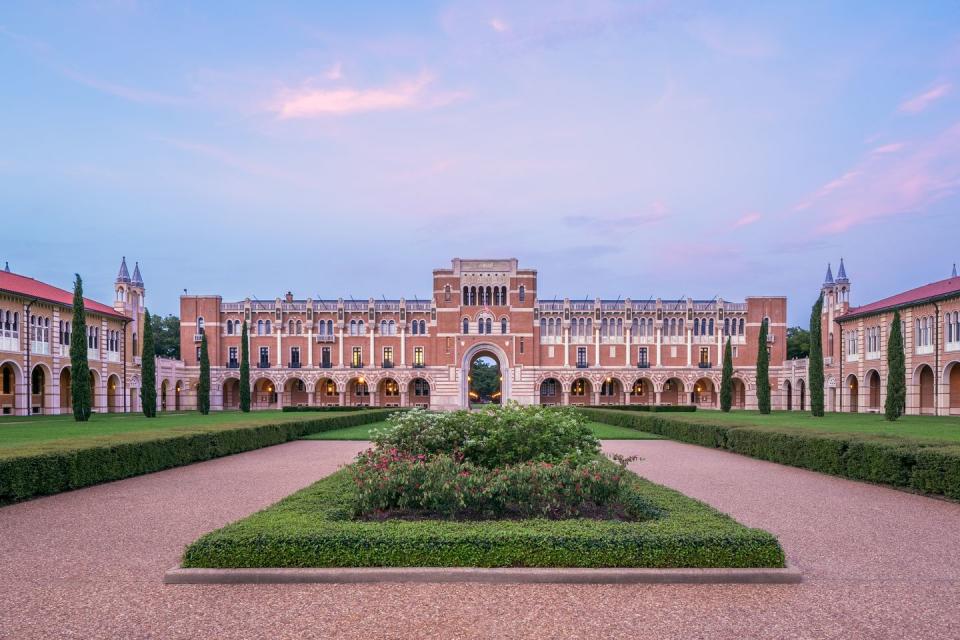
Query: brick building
pixel 35 332
pixel 855 346
pixel 419 351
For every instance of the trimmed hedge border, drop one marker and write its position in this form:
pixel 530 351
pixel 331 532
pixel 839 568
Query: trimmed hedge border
pixel 31 476
pixel 313 528
pixel 328 409
pixel 651 408
pixel 926 468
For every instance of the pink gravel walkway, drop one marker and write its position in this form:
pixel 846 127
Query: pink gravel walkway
pixel 88 564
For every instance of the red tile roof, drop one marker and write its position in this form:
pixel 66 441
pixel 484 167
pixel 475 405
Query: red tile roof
pixel 927 293
pixel 22 285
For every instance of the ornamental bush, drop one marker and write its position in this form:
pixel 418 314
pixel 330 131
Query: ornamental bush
pixel 494 437
pixel 397 484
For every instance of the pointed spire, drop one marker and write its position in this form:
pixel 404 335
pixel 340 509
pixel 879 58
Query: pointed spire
pixel 137 278
pixel 842 273
pixel 6 267
pixel 952 276
pixel 828 279
pixel 124 275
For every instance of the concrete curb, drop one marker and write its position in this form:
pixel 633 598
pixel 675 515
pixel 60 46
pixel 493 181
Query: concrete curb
pixel 177 575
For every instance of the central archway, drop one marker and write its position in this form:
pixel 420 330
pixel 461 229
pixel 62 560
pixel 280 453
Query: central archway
pixel 487 353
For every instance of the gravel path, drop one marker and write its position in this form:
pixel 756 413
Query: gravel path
pixel 88 564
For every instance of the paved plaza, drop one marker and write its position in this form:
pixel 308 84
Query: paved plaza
pixel 878 563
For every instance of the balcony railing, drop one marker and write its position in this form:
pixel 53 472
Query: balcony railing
pixel 326 337
pixel 643 365
pixel 705 365
pixel 232 364
pixel 582 365
pixel 198 337
pixel 263 364
pixel 40 348
pixel 326 365
pixel 418 365
pixel 294 364
pixel 356 365
pixel 10 343
pixel 551 305
pixel 387 364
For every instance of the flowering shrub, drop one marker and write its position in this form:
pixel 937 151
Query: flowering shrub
pixel 493 437
pixel 392 483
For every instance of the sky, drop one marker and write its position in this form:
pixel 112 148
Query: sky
pixel 634 149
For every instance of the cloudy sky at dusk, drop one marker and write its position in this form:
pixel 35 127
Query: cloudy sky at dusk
pixel 622 148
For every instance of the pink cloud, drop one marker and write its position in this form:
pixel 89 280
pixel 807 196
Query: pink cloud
pixel 408 94
pixel 748 219
pixel 889 148
pixel 335 72
pixel 919 103
pixel 499 25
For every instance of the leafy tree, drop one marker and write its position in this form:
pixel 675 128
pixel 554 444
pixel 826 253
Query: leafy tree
pixel 798 343
pixel 484 377
pixel 80 392
pixel 244 371
pixel 896 402
pixel 203 386
pixel 816 359
pixel 166 336
pixel 726 380
pixel 148 373
pixel 763 370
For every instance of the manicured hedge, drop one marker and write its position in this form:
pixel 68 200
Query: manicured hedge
pixel 928 468
pixel 330 408
pixel 312 528
pixel 652 408
pixel 30 476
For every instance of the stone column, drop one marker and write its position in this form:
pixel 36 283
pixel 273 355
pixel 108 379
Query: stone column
pixel 343 398
pixel 626 362
pixel 404 398
pixel 596 347
pixel 566 346
pixel 310 348
pixel 311 396
pixel 403 346
pixel 566 398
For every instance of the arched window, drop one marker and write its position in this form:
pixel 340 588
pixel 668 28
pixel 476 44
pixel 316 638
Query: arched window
pixel 603 328
pixel 266 327
pixel 299 327
pixel 414 328
pixel 423 327
pixel 466 325
pixel 711 326
pixel 543 327
pixel 446 293
pixel 489 325
pixel 680 327
pixel 573 326
pixel 523 293
pixel 496 296
pixel 503 325
pixel 361 328
pixel 383 327
pixel 200 325
pixel 503 295
pixel 392 328
pixel 229 327
pixel 589 327
pixel 473 296
pixel 466 296
pixel 259 327
pixel 329 327
pixel 135 345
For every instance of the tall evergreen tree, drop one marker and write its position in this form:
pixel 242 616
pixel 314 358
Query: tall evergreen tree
pixel 726 380
pixel 203 386
pixel 80 392
pixel 896 402
pixel 816 359
pixel 244 371
pixel 148 372
pixel 763 370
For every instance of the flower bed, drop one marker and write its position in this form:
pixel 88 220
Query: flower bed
pixel 511 487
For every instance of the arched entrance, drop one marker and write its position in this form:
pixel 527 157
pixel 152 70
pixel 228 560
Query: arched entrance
pixel 325 393
pixel 802 388
pixel 581 391
pixel 787 395
pixel 672 392
pixel 38 390
pixel 951 377
pixel 231 393
pixel 264 394
pixel 177 393
pixel 94 390
pixel 114 403
pixel 642 391
pixel 419 393
pixel 923 381
pixel 358 392
pixel 873 384
pixel 611 391
pixel 550 392
pixel 9 383
pixel 66 393
pixel 294 393
pixel 704 393
pixel 738 394
pixel 485 375
pixel 164 388
pixel 853 394
pixel 388 393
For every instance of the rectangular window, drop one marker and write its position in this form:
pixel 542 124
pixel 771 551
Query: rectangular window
pixel 264 357
pixel 673 352
pixel 418 356
pixel 198 354
pixel 294 356
pixel 521 345
pixel 734 351
pixel 388 356
pixel 550 351
pixel 357 359
pixel 581 357
pixel 704 356
pixel 325 357
pixel 232 357
pixel 642 357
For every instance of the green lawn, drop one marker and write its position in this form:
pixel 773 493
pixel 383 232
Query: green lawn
pixel 907 428
pixel 602 431
pixel 25 435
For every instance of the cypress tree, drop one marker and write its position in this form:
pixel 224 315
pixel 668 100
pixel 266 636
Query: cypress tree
pixel 726 381
pixel 203 386
pixel 816 359
pixel 896 402
pixel 80 393
pixel 763 370
pixel 148 373
pixel 244 371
